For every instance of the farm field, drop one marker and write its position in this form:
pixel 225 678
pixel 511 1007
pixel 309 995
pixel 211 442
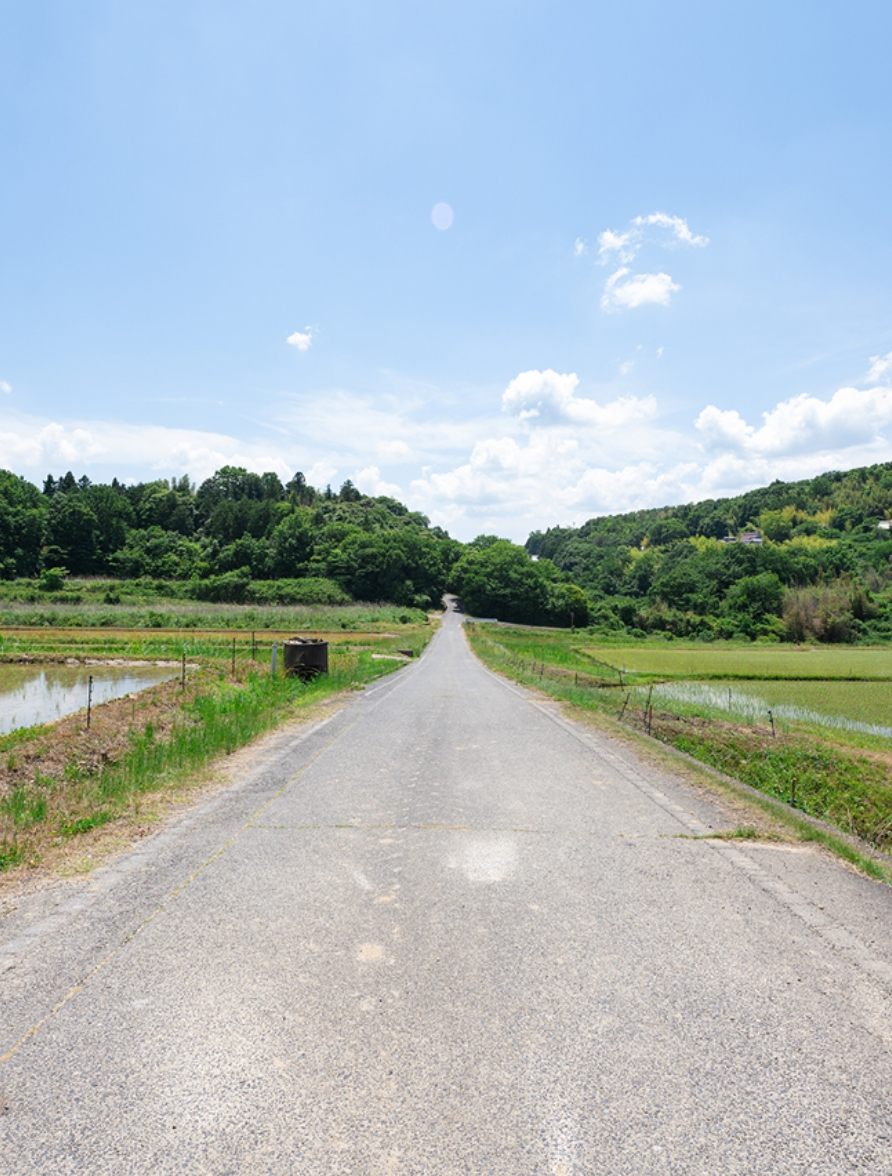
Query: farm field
pixel 828 754
pixel 659 659
pixel 251 645
pixel 180 615
pixel 61 782
pixel 671 659
pixel 858 704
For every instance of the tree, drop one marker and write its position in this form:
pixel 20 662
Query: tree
pixel 74 532
pixel 23 513
pixel 292 544
pixel 501 581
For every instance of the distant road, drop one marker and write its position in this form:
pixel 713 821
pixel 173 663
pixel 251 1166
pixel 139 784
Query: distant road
pixel 444 933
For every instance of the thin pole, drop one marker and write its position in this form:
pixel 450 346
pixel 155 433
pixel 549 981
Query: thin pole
pixel 275 652
pixel 233 657
pixel 89 700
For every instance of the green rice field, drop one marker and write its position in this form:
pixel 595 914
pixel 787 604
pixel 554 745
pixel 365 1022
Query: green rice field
pixel 827 753
pixel 806 662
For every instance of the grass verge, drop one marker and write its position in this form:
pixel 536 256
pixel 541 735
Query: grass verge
pixel 777 775
pixel 62 781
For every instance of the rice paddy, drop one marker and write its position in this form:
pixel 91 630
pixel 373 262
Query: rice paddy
pixel 809 725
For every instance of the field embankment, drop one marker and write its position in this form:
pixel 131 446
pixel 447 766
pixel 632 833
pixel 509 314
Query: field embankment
pixel 808 726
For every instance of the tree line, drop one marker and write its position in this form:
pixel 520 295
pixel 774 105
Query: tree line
pixel 791 561
pixel 237 531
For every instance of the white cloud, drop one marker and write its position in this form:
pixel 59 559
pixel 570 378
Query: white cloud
pixel 579 247
pixel 301 339
pixel 626 245
pixel 4 387
pixel 803 424
pixel 32 446
pixel 549 398
pixel 623 247
pixel 623 244
pixel 552 455
pixel 637 290
pixel 880 369
pixel 370 482
pixel 625 368
pixel 394 450
pixel 321 474
pixel 678 226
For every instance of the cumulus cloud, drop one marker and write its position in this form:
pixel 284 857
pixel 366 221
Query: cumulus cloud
pixel 678 226
pixel 622 292
pixel 32 446
pixel 626 291
pixel 301 339
pixel 880 369
pixel 4 387
pixel 579 247
pixel 624 245
pixel 803 424
pixel 370 482
pixel 549 398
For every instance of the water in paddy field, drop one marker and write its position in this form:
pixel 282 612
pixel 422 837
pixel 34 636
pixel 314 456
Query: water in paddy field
pixel 42 694
pixel 744 703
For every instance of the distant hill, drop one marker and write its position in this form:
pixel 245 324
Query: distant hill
pixel 814 564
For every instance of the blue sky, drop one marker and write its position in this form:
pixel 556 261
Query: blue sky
pixel 668 274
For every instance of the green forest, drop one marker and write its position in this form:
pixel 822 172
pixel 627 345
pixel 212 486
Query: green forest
pixel 796 561
pixel 814 564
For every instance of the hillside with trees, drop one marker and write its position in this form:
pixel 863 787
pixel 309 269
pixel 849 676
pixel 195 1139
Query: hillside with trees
pixel 226 539
pixel 792 561
pixel 241 537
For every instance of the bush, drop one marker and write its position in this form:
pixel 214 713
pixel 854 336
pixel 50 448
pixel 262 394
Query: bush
pixel 823 613
pixel 52 579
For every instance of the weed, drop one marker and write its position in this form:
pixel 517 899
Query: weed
pixel 11 855
pixel 26 806
pixel 85 824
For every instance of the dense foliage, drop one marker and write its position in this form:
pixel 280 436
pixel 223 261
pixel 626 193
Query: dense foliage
pixel 495 578
pixel 817 567
pixel 820 568
pixel 227 537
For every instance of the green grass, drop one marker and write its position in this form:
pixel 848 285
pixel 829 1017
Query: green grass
pixel 852 792
pixel 660 659
pixel 214 718
pixel 101 590
pixel 866 702
pixel 179 615
pixel 675 660
pixel 832 781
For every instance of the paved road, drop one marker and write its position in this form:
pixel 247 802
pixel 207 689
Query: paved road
pixel 447 932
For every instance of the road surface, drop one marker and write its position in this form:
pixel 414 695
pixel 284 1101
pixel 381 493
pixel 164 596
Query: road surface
pixel 448 932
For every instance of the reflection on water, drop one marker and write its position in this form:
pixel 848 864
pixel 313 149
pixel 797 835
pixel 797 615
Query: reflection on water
pixel 42 694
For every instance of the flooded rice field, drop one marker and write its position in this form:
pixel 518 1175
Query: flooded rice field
pixel 31 694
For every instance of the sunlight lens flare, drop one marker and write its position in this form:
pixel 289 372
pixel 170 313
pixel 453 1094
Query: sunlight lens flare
pixel 442 216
